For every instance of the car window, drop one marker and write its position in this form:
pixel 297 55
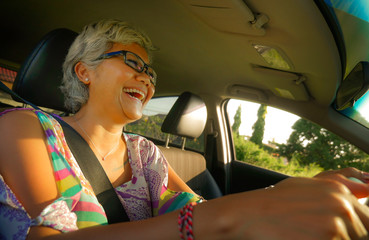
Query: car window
pixel 283 142
pixel 150 124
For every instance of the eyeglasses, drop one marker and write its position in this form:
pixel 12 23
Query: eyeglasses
pixel 134 61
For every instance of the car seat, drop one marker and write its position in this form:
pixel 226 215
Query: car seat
pixel 41 74
pixel 187 119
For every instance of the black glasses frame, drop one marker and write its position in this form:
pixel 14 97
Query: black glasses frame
pixel 145 67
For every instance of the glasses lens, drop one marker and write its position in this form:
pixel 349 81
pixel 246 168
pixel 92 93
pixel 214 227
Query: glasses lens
pixel 138 64
pixel 151 73
pixel 134 62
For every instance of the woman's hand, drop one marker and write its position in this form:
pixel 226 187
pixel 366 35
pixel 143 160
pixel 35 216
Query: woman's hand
pixel 360 190
pixel 296 208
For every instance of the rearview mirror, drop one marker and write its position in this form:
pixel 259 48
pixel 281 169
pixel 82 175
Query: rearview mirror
pixel 353 87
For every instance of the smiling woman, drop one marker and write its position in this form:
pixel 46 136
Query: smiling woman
pixel 105 93
pixel 94 53
pixel 114 75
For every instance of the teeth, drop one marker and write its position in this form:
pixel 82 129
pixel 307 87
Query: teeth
pixel 140 95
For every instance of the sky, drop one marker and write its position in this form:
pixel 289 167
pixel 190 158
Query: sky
pixel 362 106
pixel 159 105
pixel 278 123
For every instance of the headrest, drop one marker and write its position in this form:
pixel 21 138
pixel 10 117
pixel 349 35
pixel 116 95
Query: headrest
pixel 40 76
pixel 187 118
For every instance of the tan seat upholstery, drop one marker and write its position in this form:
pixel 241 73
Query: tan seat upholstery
pixel 186 164
pixel 187 119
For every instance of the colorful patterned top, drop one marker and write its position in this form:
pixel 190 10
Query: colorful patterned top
pixel 144 196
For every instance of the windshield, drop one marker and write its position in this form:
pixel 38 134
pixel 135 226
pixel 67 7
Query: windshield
pixel 357 8
pixel 352 19
pixel 359 112
pixel 352 22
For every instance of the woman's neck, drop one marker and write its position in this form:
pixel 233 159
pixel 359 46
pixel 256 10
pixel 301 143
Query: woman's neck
pixel 103 135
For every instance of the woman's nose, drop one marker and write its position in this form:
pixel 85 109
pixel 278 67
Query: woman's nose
pixel 144 78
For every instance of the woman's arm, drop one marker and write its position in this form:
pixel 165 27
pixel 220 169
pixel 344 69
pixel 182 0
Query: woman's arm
pixel 297 208
pixel 24 161
pixel 175 183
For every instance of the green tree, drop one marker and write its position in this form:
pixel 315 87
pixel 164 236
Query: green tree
pixel 150 127
pixel 258 127
pixel 309 143
pixel 237 121
pixel 252 153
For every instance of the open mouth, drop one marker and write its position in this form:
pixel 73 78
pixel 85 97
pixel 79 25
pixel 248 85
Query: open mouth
pixel 139 95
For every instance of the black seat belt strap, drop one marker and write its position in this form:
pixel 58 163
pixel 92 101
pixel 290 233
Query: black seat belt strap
pixel 95 174
pixel 90 167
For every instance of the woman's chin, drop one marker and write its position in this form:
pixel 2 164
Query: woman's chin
pixel 131 108
pixel 133 115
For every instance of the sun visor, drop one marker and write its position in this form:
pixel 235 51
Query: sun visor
pixel 283 84
pixel 232 16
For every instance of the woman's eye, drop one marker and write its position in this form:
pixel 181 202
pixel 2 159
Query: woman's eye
pixel 135 64
pixel 151 74
pixel 132 62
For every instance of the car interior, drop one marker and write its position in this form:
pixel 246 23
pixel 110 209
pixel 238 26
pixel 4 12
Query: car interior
pixel 207 53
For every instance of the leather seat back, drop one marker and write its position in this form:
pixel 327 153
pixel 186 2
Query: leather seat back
pixel 187 118
pixel 40 76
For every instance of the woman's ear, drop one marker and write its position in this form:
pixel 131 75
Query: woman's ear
pixel 82 72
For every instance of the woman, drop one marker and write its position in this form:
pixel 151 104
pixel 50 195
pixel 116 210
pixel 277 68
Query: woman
pixel 107 82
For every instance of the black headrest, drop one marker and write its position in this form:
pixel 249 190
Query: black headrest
pixel 40 76
pixel 187 118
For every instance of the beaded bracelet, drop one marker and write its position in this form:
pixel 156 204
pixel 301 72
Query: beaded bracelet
pixel 185 221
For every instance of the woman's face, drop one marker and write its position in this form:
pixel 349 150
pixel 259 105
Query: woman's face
pixel 119 90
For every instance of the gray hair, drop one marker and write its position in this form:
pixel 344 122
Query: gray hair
pixel 94 40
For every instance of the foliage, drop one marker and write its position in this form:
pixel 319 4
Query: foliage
pixel 237 121
pixel 150 126
pixel 196 143
pixel 251 153
pixel 258 127
pixel 309 143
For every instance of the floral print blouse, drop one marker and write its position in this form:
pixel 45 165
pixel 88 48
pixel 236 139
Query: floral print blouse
pixel 144 196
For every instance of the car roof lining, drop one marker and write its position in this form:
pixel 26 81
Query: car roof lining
pixel 191 50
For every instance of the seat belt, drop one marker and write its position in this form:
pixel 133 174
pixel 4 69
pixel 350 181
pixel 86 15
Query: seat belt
pixel 90 167
pixel 95 174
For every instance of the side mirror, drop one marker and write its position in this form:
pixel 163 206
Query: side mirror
pixel 353 87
